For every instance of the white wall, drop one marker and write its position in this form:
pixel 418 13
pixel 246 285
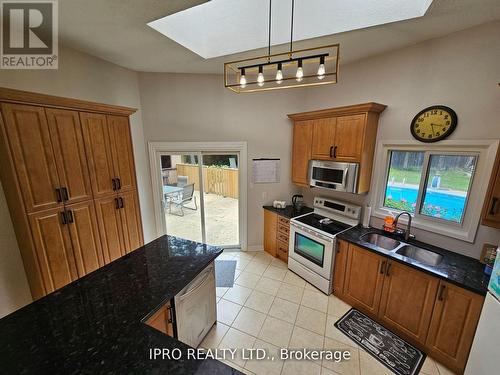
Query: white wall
pixel 460 70
pixel 83 77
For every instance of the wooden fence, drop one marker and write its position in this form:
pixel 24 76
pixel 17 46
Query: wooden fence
pixel 216 180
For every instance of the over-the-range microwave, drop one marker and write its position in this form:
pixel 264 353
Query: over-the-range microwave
pixel 334 175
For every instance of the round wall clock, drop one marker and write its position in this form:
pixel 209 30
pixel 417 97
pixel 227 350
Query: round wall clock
pixel 433 123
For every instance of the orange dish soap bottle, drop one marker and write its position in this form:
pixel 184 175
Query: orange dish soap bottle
pixel 389 224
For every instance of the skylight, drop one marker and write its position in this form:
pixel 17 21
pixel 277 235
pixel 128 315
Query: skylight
pixel 223 27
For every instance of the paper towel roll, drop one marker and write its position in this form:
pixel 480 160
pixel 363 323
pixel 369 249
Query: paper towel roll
pixel 366 216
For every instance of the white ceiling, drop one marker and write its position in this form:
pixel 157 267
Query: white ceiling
pixel 117 31
pixel 244 25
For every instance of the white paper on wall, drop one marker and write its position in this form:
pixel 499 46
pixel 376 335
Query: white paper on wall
pixel 265 171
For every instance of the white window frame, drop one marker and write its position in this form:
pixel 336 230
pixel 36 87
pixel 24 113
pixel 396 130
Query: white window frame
pixel 466 230
pixel 156 149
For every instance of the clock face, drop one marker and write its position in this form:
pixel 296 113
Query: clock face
pixel 433 123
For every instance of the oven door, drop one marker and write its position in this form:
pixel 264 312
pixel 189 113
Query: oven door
pixel 334 175
pixel 311 249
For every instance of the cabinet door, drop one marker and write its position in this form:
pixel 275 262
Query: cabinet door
pixel 131 221
pixel 29 141
pixel 340 267
pixel 69 150
pixel 110 228
pixel 53 248
pixel 364 278
pixel 98 147
pixel 301 152
pixel 323 138
pixel 82 224
pixel 453 324
pixel 123 154
pixel 491 210
pixel 270 232
pixel 162 320
pixel 408 297
pixel 349 138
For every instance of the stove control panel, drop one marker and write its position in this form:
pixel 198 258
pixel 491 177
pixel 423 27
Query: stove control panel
pixel 348 210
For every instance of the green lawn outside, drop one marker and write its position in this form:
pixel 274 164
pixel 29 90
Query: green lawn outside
pixel 451 179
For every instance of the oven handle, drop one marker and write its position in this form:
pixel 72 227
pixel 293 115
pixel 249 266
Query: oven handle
pixel 299 228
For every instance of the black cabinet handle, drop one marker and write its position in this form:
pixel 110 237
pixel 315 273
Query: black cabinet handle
pixel 169 315
pixel 113 181
pixel 335 152
pixel 441 292
pixel 382 268
pixel 331 151
pixel 58 195
pixel 64 221
pixel 493 206
pixel 65 193
pixel 117 203
pixel 70 216
pixel 121 202
pixel 389 264
pixel 119 184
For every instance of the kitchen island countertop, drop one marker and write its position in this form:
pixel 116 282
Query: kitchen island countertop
pixel 94 325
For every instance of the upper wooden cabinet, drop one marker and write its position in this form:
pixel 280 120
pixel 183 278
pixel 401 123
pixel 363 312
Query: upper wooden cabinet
pixel 491 209
pixel 453 325
pixel 301 154
pixel 67 170
pixel 344 134
pixel 28 137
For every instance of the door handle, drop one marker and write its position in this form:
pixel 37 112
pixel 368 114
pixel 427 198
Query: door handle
pixel 121 202
pixel 389 264
pixel 441 292
pixel 69 214
pixel 493 206
pixel 64 220
pixel 382 267
pixel 117 203
pixel 331 151
pixel 335 152
pixel 58 195
pixel 170 320
pixel 65 193
pixel 113 182
pixel 119 184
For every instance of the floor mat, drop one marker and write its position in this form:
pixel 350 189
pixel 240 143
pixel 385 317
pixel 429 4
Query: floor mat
pixel 389 349
pixel 224 273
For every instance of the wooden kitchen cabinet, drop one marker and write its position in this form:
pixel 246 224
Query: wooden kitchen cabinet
pixel 301 152
pixel 110 227
pixel 491 208
pixel 340 267
pixel 407 301
pixel 122 152
pixel 270 231
pixel 162 320
pixel 130 221
pixel 343 134
pixel 364 278
pixel 453 325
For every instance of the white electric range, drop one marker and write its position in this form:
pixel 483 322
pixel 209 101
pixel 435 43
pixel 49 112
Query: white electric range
pixel 313 243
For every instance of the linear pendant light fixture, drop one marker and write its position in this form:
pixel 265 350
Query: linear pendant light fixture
pixel 300 68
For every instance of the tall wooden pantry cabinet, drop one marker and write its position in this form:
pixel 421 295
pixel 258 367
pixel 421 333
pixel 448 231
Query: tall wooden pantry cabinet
pixel 68 173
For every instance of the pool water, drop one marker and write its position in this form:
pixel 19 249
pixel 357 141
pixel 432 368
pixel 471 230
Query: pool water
pixel 437 204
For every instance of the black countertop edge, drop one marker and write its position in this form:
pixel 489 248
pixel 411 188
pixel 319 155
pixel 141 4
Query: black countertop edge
pixel 95 324
pixel 461 270
pixel 289 212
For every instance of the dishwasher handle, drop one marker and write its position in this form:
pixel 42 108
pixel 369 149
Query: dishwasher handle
pixel 204 276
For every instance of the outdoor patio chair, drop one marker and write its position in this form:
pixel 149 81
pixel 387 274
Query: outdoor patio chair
pixel 182 181
pixel 182 200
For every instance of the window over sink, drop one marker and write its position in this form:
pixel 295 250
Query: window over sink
pixel 442 185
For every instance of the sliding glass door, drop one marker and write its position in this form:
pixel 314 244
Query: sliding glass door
pixel 200 196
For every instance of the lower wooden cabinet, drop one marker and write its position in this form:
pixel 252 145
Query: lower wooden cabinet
pixel 130 221
pixel 437 316
pixel 110 228
pixel 364 279
pixel 162 320
pixel 340 267
pixel 453 325
pixel 270 231
pixel 407 301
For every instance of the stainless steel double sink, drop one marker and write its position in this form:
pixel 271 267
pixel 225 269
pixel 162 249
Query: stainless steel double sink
pixel 389 244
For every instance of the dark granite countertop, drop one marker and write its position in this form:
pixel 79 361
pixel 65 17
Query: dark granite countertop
pixel 458 269
pixel 289 212
pixel 93 325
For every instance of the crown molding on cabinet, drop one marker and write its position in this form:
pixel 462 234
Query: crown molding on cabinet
pixel 338 111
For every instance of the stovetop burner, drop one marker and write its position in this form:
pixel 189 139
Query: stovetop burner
pixel 317 221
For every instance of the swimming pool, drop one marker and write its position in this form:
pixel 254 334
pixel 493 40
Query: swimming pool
pixel 438 204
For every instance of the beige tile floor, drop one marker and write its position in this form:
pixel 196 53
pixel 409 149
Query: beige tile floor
pixel 270 307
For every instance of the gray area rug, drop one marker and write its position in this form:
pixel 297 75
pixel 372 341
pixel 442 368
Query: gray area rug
pixel 392 351
pixel 224 273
